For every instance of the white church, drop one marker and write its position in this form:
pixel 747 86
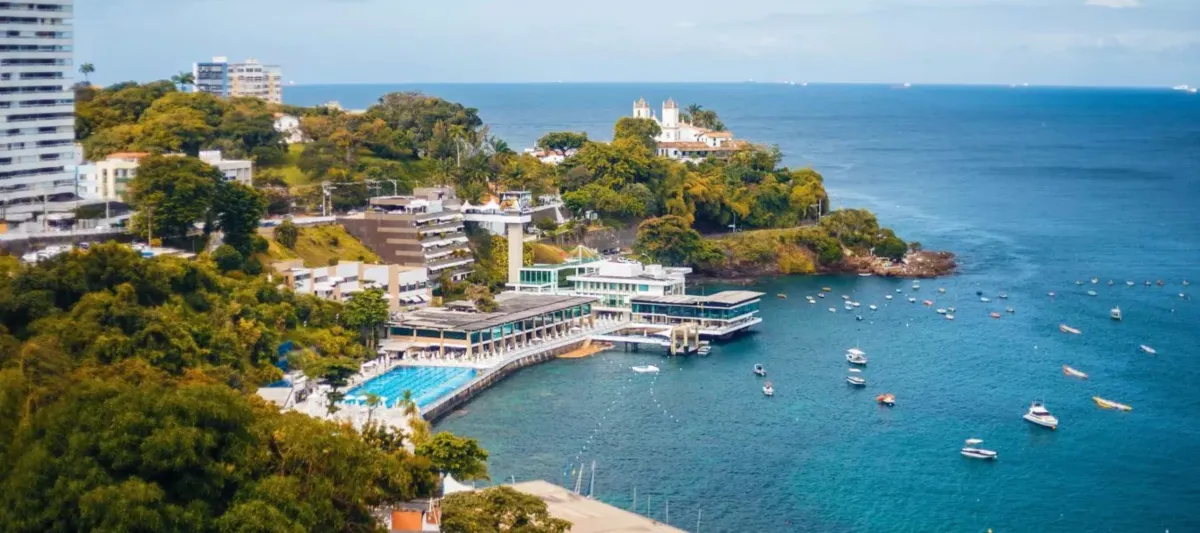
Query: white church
pixel 684 141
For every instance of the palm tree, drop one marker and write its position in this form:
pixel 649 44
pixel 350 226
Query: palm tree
pixel 183 79
pixel 85 69
pixel 373 402
pixel 690 113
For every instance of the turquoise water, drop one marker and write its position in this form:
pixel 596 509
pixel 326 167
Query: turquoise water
pixel 426 383
pixel 1034 189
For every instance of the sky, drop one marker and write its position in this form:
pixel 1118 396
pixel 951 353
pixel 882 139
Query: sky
pixel 1060 42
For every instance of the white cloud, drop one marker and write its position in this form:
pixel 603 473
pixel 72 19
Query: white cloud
pixel 1115 4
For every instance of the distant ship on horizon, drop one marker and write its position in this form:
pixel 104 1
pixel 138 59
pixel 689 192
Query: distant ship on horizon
pixel 1185 88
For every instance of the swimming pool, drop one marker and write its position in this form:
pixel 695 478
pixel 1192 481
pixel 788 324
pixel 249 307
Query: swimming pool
pixel 426 383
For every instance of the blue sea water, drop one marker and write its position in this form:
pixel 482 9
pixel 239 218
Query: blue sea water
pixel 426 384
pixel 1034 188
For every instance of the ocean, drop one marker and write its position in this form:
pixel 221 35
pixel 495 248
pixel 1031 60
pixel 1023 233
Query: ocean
pixel 1034 189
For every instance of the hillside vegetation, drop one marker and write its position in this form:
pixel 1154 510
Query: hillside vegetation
pixel 319 245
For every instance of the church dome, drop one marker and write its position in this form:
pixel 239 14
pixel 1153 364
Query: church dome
pixel 670 104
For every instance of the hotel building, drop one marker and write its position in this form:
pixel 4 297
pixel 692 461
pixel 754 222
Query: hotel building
pixel 424 229
pixel 404 287
pixel 221 78
pixel 37 107
pixel 521 320
pixel 613 283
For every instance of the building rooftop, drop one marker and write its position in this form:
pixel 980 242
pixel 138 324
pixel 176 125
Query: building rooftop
pixel 513 306
pixel 590 516
pixel 127 155
pixel 731 146
pixel 723 297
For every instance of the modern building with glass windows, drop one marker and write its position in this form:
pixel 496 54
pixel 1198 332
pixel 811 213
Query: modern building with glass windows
pixel 718 315
pixel 37 107
pixel 221 78
pixel 613 283
pixel 522 320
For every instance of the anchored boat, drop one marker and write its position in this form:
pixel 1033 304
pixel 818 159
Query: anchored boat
pixel 1109 404
pixel 970 450
pixel 1038 414
pixel 645 369
pixel 1068 371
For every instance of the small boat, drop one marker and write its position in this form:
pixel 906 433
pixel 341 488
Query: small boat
pixel 855 304
pixel 984 299
pixel 994 314
pixel 928 303
pixel 941 311
pixel 1129 282
pixel 826 289
pixel 645 369
pixel 898 290
pixel 1068 371
pixel 951 309
pixel 1110 283
pixel 857 381
pixel 704 349
pixel 949 317
pixel 812 300
pixel 832 309
pixel 865 274
pixel 978 293
pixel 1147 283
pixel 1148 349
pixel 768 390
pixel 873 307
pixel 1003 295
pixel 1009 310
pixel 846 297
pixel 1182 295
pixel 781 296
pixel 1091 293
pixel 1095 281
pixel 916 285
pixel 1115 313
pixel 1068 329
pixel 886 399
pixel 1109 404
pixel 1077 282
pixel 858 318
pixel 1051 294
pixel 820 295
pixel 970 450
pixel 856 357
pixel 941 289
pixel 1038 414
pixel 888 297
pixel 912 300
pixel 759 370
pixel 1185 283
pixel 1159 283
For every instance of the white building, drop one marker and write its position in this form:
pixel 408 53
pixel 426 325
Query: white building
pixel 289 126
pixel 37 106
pixel 616 282
pixel 239 170
pixel 685 141
pixel 249 78
pixel 404 287
pixel 87 179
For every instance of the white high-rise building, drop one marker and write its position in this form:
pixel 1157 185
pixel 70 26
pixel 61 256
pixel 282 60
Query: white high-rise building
pixel 37 106
pixel 249 78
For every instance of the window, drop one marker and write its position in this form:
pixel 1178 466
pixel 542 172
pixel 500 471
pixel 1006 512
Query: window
pixel 643 288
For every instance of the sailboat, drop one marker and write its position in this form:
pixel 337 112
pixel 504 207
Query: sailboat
pixel 1115 313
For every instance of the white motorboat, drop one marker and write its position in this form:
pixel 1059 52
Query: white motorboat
pixel 1003 295
pixel 971 449
pixel 941 311
pixel 1010 310
pixel 820 295
pixel 857 381
pixel 1115 313
pixel 768 390
pixel 949 316
pixel 812 301
pixel 873 307
pixel 759 370
pixel 1185 283
pixel 1095 281
pixel 1077 282
pixel 1091 293
pixel 856 357
pixel 912 300
pixel 864 274
pixel 984 299
pixel 1148 349
pixel 1129 282
pixel 1068 371
pixel 858 318
pixel 1038 414
pixel 645 369
pixel 916 285
pixel 846 297
pixel 1068 329
pixel 855 304
pixel 898 290
pixel 941 289
pixel 951 309
pixel 1050 294
pixel 1110 283
pixel 888 297
pixel 832 309
pixel 704 349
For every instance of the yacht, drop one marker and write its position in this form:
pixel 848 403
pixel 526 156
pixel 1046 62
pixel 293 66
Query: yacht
pixel 855 304
pixel 1091 293
pixel 759 370
pixel 856 357
pixel 1147 283
pixel 941 311
pixel 970 450
pixel 887 297
pixel 1068 371
pixel 1039 415
pixel 1068 329
pixel 646 369
pixel 1109 404
pixel 984 299
pixel 887 399
pixel 1148 349
pixel 857 381
pixel 768 390
pixel 1115 313
pixel 846 297
pixel 873 307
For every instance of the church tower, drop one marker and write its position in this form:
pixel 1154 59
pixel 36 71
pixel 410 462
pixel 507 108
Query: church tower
pixel 670 116
pixel 641 109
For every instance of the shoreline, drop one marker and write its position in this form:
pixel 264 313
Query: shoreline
pixel 916 265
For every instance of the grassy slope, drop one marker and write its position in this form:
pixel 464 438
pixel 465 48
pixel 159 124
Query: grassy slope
pixel 316 247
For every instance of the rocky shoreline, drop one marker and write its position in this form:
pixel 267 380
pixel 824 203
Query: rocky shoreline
pixel 917 265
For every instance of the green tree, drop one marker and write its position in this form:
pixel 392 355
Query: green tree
pixel 183 79
pixel 562 141
pixel 87 69
pixel 171 193
pixel 460 457
pixel 482 298
pixel 497 510
pixel 366 311
pixel 890 246
pixel 642 130
pixel 228 258
pixel 239 210
pixel 670 241
pixel 287 233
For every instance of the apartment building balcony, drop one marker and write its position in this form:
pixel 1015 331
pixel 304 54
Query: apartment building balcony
pixel 444 226
pixel 438 265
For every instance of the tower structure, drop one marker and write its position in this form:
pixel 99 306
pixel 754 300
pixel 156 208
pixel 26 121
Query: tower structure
pixel 641 109
pixel 670 116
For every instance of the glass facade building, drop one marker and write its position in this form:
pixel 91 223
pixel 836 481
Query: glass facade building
pixel 719 315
